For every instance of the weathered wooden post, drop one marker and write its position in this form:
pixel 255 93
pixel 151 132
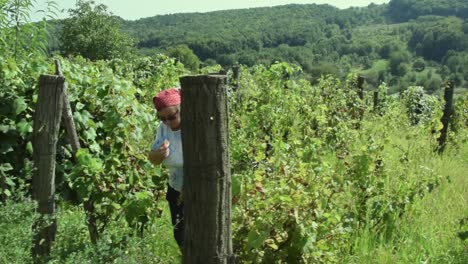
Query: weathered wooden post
pixel 207 178
pixel 236 76
pixel 448 112
pixel 376 101
pixel 3 189
pixel 45 135
pixel 358 113
pixel 222 71
pixel 67 115
pixel 360 87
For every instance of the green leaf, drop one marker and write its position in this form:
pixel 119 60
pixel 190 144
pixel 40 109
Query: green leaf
pixel 29 147
pixel 131 179
pixel 143 195
pixel 90 134
pixel 20 105
pixel 284 198
pixel 4 128
pixel 24 127
pixel 122 187
pixel 79 106
pixel 236 185
pixel 95 147
pixel 6 167
pixel 9 181
pixel 257 237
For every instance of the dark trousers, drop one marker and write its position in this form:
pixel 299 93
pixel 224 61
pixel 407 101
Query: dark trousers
pixel 176 205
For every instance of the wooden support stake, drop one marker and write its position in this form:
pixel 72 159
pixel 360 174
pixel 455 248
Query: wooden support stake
pixel 236 76
pixel 376 101
pixel 207 178
pixel 68 115
pixel 45 135
pixel 448 112
pixel 3 187
pixel 88 205
pixel 360 86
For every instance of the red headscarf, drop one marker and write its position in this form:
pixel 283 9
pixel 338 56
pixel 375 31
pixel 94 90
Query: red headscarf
pixel 165 98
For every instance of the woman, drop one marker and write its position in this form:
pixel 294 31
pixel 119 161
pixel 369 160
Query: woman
pixel 167 150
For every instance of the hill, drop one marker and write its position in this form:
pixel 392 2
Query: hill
pixel 410 36
pixel 403 43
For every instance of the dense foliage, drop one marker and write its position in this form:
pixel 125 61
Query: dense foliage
pixel 314 166
pixel 404 10
pixel 94 33
pixel 311 164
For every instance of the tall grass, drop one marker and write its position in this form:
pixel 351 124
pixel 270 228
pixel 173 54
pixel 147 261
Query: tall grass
pixel 73 245
pixel 16 231
pixel 431 229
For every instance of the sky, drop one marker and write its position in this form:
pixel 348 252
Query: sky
pixel 135 9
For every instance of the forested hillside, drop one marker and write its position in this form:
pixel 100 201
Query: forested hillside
pixel 404 10
pixel 403 43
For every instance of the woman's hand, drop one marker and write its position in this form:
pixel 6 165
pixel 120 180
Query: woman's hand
pixel 164 149
pixel 158 155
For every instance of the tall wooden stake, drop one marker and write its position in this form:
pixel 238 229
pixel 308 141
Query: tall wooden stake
pixel 68 115
pixel 236 76
pixel 45 135
pixel 448 112
pixel 360 86
pixel 207 178
pixel 376 101
pixel 88 205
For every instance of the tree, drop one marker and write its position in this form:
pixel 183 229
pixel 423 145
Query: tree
pixel 92 32
pixel 434 83
pixel 323 69
pixel 404 10
pixel 434 36
pixel 419 65
pixel 18 36
pixel 396 62
pixel 184 55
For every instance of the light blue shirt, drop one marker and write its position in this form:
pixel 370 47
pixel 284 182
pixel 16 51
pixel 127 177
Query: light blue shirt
pixel 174 162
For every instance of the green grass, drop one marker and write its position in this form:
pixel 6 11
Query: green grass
pixel 73 245
pixel 16 232
pixel 430 230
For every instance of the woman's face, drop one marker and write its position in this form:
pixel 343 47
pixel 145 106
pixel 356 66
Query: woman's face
pixel 170 116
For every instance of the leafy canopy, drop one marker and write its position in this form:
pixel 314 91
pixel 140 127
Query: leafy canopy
pixel 184 55
pixel 94 33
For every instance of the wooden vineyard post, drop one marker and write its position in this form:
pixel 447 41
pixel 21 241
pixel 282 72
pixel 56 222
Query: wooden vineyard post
pixel 207 178
pixel 67 115
pixel 45 135
pixel 3 188
pixel 360 87
pixel 236 76
pixel 75 145
pixel 358 112
pixel 448 112
pixel 376 101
